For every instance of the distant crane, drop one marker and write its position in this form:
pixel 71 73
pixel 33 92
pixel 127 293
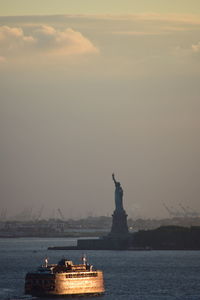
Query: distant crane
pixel 61 214
pixel 39 213
pixel 184 210
pixel 172 212
pixel 193 213
pixel 167 208
pixel 189 212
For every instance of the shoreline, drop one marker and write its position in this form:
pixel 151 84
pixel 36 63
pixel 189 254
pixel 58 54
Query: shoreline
pixel 66 235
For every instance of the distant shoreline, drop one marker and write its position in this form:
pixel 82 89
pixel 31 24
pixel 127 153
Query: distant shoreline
pixel 56 235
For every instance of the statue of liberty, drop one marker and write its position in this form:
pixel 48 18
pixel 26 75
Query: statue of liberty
pixel 118 194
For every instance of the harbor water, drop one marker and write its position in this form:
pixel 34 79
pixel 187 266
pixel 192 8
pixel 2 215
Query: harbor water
pixel 135 275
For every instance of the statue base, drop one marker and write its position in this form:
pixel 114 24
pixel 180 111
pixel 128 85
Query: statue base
pixel 119 227
pixel 119 237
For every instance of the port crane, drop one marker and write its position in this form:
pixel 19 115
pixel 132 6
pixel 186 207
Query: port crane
pixel 61 214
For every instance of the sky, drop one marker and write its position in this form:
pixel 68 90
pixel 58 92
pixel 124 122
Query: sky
pixel 29 7
pixel 89 88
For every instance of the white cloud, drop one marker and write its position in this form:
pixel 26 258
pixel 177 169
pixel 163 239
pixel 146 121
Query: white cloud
pixel 188 55
pixel 12 40
pixel 190 19
pixel 64 42
pixel 43 40
pixel 196 47
pixel 171 18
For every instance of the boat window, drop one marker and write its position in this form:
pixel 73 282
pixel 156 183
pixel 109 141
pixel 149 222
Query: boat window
pixel 79 275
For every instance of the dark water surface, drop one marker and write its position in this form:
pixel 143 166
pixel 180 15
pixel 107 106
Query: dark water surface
pixel 136 275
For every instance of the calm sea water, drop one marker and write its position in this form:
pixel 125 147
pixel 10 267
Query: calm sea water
pixel 135 275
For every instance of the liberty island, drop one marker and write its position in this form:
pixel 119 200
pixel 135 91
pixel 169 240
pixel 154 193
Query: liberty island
pixel 119 236
pixel 162 238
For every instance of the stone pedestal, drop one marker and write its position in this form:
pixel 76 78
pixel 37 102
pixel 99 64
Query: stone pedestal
pixel 119 227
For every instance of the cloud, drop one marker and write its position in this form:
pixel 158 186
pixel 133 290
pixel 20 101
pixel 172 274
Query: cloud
pixel 187 19
pixel 190 19
pixel 174 20
pixel 66 42
pixel 12 40
pixel 171 18
pixel 136 33
pixel 161 30
pixel 43 40
pixel 189 54
pixel 196 48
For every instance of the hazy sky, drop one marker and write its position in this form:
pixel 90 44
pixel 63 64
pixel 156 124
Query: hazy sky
pixel 90 89
pixel 21 7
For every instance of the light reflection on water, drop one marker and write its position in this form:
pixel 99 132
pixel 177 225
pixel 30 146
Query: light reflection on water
pixel 135 275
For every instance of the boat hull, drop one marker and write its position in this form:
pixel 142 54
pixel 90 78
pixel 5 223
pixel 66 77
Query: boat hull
pixel 60 284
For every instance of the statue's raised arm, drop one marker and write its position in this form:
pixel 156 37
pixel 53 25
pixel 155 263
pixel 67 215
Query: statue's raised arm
pixel 113 177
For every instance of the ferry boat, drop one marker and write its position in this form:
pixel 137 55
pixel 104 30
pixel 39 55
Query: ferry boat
pixel 64 278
